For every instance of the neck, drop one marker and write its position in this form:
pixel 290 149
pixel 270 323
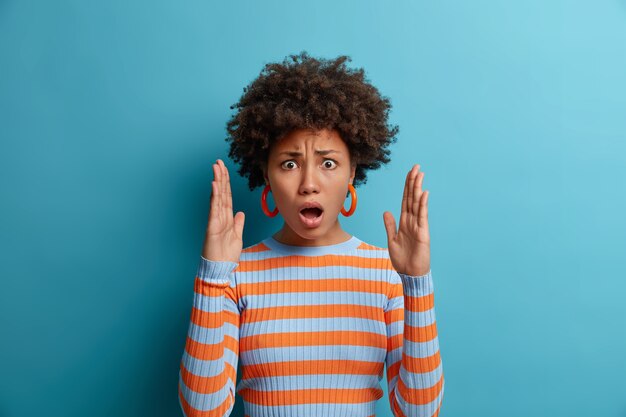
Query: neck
pixel 288 236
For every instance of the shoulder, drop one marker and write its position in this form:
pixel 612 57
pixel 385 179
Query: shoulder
pixel 254 248
pixel 366 249
pixel 378 257
pixel 368 246
pixel 383 261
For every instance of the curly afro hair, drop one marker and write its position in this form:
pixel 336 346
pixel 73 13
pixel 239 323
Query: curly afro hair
pixel 305 92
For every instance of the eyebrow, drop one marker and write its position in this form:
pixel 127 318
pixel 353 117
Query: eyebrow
pixel 318 152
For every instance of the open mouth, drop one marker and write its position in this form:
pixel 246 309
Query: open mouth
pixel 311 213
pixel 311 217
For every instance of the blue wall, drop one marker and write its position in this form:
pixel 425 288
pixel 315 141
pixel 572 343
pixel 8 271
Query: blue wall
pixel 113 112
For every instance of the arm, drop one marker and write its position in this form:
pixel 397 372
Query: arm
pixel 414 369
pixel 208 370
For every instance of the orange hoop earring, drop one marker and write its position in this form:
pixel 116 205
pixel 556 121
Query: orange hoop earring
pixel 353 205
pixel 266 209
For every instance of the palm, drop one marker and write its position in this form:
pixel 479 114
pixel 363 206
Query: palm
pixel 409 247
pixel 224 235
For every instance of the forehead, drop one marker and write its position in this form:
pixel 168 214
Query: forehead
pixel 302 139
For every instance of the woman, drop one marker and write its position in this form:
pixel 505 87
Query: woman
pixel 312 313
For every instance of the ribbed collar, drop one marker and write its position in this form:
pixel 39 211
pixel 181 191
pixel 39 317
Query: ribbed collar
pixel 337 248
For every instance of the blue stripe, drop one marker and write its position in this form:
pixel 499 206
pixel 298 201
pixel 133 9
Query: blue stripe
pixel 301 273
pixel 419 349
pixel 314 410
pixel 269 254
pixel 418 410
pixel 214 304
pixel 206 368
pixel 322 298
pixel 322 381
pixel 315 325
pixel 204 402
pixel 307 353
pixel 420 380
pixel 212 336
pixel 344 247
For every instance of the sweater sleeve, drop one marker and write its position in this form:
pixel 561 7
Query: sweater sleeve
pixel 414 368
pixel 208 370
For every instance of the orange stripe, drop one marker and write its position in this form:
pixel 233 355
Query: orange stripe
pixel 211 289
pixel 421 365
pixel 424 334
pixel 312 285
pixel 394 404
pixel 398 412
pixel 412 303
pixel 392 316
pixel 217 412
pixel 207 384
pixel 393 370
pixel 259 247
pixel 419 396
pixel 312 367
pixel 313 311
pixel 394 342
pixel 421 303
pixel 312 396
pixel 421 334
pixel 367 246
pixel 443 394
pixel 210 352
pixel 336 338
pixel 213 320
pixel 314 262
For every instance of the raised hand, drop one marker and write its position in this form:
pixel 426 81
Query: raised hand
pixel 409 247
pixel 224 235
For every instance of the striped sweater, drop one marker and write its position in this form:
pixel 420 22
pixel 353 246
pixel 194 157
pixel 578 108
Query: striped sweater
pixel 313 328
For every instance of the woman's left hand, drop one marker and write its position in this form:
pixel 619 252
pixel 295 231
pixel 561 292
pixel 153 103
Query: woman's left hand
pixel 409 247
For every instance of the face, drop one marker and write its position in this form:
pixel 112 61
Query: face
pixel 310 166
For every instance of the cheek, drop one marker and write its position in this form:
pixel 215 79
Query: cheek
pixel 282 196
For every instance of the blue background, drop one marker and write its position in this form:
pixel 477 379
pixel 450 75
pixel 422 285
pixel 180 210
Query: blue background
pixel 113 112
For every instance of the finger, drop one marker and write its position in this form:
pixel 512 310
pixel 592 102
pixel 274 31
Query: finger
pixel 229 194
pixel 214 208
pixel 218 199
pixel 405 193
pixel 240 218
pixel 390 226
pixel 412 175
pixel 417 193
pixel 423 218
pixel 228 206
pixel 405 200
pixel 220 166
pixel 223 203
pixel 213 199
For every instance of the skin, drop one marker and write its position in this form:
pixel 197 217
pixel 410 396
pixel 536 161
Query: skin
pixel 296 179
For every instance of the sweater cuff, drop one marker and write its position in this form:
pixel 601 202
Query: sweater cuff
pixel 215 271
pixel 417 285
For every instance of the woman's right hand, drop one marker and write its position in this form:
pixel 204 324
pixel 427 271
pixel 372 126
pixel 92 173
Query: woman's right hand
pixel 224 235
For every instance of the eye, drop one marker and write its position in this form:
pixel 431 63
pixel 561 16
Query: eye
pixel 287 162
pixel 326 161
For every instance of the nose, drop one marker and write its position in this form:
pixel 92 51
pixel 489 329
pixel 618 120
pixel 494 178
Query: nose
pixel 310 182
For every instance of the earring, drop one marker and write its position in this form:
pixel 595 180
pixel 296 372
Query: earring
pixel 352 205
pixel 266 210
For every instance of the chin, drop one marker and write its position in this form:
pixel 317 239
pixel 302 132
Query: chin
pixel 310 233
